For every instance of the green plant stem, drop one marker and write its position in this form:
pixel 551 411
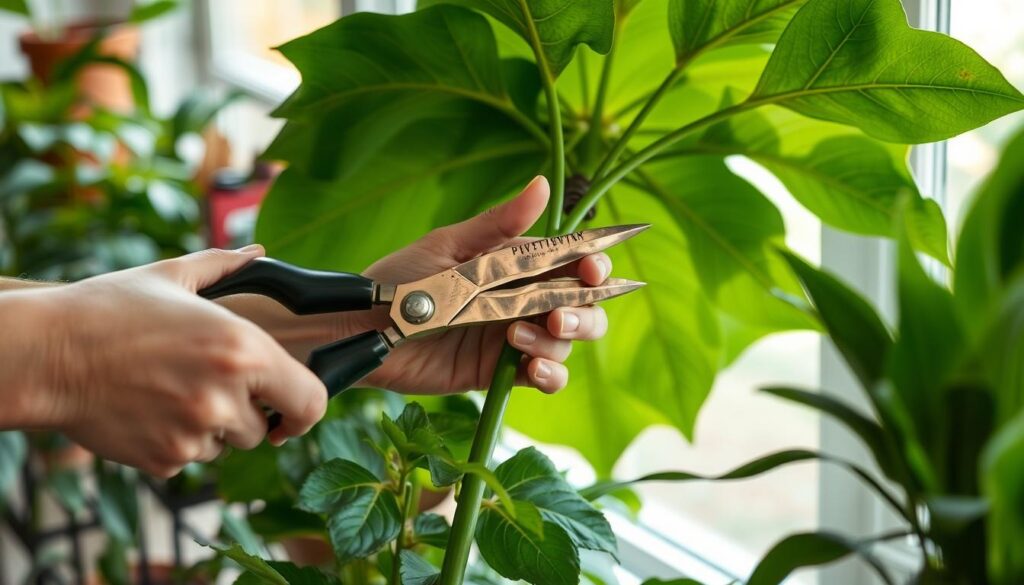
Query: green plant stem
pixel 405 495
pixel 620 145
pixel 473 486
pixel 598 189
pixel 557 158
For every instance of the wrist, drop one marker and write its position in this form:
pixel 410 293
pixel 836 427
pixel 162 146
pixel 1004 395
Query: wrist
pixel 31 359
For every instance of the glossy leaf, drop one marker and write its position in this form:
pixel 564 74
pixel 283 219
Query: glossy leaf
pixel 399 70
pixel 809 550
pixel 530 476
pixel 431 529
pixel 701 25
pixel 415 570
pixel 413 435
pixel 858 62
pixel 527 547
pixel 347 439
pixel 13 449
pixel 553 27
pixel 362 516
pixel 848 180
pixel 258 567
pixel 852 324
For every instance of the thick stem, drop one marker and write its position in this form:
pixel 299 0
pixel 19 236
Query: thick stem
pixel 405 497
pixel 557 158
pixel 473 486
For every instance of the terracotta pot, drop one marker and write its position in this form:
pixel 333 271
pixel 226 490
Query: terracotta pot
pixel 104 85
pixel 308 551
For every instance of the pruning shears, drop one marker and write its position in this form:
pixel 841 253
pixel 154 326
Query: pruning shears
pixel 498 286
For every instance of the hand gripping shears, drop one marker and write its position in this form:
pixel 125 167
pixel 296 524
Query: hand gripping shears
pixel 498 286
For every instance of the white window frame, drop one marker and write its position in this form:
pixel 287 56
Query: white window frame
pixel 866 263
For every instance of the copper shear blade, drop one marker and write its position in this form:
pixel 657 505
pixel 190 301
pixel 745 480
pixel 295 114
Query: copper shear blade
pixel 465 295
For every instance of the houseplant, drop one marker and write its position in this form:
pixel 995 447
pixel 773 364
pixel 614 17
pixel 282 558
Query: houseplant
pixel 465 97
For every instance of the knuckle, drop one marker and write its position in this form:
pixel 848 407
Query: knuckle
pixel 180 450
pixel 248 440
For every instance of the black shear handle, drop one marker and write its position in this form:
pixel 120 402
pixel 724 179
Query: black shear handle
pixel 304 292
pixel 341 364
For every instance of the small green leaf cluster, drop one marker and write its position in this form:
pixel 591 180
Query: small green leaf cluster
pixel 532 525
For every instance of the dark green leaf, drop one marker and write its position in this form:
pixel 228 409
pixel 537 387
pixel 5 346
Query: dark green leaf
pixel 362 516
pixel 280 519
pixel 67 487
pixel 347 438
pixel 113 563
pixel 700 25
pixel 413 435
pixel 526 547
pixel 530 476
pixel 416 570
pixel 303 575
pixel 858 62
pixel 117 502
pixel 148 11
pixel 13 449
pixel 246 476
pixel 809 550
pixel 431 529
pixel 852 324
pixel 552 27
pixel 258 567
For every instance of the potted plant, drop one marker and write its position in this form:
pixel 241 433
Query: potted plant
pixel 53 39
pixel 446 110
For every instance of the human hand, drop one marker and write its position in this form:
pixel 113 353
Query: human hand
pixel 464 358
pixel 147 373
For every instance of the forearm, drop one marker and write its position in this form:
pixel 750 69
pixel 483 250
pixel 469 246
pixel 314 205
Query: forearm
pixel 28 321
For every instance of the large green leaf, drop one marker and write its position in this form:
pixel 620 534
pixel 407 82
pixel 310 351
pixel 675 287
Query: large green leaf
pixel 553 28
pixel 808 550
pixel 432 173
pixel 397 70
pixel 362 516
pixel 530 476
pixel 1003 484
pixel 858 62
pixel 848 180
pixel 701 25
pixel 527 547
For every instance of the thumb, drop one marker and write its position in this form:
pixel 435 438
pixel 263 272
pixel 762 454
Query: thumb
pixel 498 225
pixel 201 269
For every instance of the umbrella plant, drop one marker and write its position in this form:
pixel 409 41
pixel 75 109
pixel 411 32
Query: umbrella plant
pixel 633 109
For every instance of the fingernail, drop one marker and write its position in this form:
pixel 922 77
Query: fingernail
pixel 543 371
pixel 602 268
pixel 535 181
pixel 570 322
pixel 523 335
pixel 249 249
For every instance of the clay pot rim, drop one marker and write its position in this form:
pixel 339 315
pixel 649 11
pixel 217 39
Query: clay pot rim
pixel 79 32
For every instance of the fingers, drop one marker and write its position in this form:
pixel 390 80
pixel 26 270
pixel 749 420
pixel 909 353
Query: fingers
pixel 578 323
pixel 498 225
pixel 594 269
pixel 292 390
pixel 535 341
pixel 545 375
pixel 201 269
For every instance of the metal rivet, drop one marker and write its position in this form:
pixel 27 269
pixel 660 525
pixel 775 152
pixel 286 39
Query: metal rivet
pixel 417 307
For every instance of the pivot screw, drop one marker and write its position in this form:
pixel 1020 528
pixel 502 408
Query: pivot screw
pixel 417 307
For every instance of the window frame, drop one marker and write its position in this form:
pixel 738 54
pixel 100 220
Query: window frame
pixel 866 263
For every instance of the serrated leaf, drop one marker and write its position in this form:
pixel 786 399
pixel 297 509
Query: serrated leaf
pixel 415 570
pixel 530 476
pixel 553 27
pixel 808 550
pixel 700 25
pixel 362 516
pixel 858 62
pixel 255 565
pixel 527 547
